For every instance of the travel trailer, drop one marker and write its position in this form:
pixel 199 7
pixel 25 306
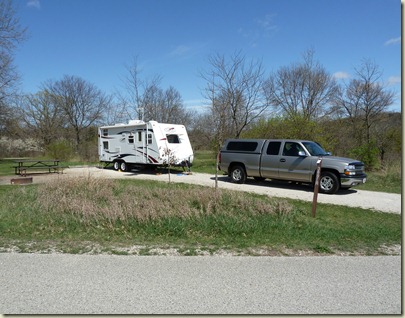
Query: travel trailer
pixel 140 143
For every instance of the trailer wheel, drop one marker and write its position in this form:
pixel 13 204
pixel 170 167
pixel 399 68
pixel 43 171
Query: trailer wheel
pixel 238 174
pixel 124 166
pixel 116 165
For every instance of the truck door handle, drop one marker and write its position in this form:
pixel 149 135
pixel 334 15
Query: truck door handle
pixel 282 160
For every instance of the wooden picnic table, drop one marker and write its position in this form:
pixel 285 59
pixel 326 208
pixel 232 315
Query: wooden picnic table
pixel 22 165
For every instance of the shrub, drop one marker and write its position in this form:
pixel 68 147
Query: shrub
pixel 61 150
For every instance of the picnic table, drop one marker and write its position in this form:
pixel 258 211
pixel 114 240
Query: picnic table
pixel 22 165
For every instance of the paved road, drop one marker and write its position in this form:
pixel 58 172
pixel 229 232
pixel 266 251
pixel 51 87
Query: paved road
pixel 102 284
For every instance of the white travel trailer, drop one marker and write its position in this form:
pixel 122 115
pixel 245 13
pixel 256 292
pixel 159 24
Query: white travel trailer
pixel 140 143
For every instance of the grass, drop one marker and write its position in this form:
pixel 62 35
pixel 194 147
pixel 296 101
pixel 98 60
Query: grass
pixel 204 161
pixel 389 180
pixel 80 214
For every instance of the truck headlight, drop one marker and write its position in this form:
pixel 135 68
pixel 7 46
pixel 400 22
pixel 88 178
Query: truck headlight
pixel 349 170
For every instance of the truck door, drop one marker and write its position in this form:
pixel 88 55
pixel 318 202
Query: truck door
pixel 292 166
pixel 270 160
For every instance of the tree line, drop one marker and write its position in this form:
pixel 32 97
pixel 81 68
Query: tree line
pixel 300 100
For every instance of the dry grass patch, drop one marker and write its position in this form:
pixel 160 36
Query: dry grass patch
pixel 92 199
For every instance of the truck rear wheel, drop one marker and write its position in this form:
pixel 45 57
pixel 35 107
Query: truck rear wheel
pixel 329 182
pixel 238 174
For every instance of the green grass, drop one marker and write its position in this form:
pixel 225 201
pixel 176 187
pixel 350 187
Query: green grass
pixel 113 214
pixel 204 161
pixel 390 181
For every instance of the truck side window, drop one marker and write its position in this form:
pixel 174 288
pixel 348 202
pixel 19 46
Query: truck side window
pixel 242 145
pixel 291 149
pixel 274 148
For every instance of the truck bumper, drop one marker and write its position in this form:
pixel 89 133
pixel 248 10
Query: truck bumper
pixel 347 182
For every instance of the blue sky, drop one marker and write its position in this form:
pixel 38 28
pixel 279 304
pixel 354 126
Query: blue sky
pixel 95 39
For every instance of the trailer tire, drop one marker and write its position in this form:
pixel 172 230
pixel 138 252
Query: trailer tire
pixel 238 174
pixel 124 166
pixel 116 165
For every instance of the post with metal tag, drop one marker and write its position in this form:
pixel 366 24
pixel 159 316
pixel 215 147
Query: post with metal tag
pixel 316 188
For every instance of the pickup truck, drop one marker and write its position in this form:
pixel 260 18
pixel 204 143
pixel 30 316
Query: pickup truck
pixel 291 160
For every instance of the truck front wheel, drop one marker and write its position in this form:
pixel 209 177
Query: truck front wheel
pixel 329 182
pixel 238 174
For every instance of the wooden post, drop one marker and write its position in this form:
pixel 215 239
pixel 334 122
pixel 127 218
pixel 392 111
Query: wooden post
pixel 316 188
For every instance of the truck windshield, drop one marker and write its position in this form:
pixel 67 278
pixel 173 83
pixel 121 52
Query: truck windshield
pixel 315 149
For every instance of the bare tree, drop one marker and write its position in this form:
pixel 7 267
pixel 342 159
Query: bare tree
pixel 43 117
pixel 235 90
pixel 82 103
pixel 363 99
pixel 131 99
pixel 301 90
pixel 145 99
pixel 11 34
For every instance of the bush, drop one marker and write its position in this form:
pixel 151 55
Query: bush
pixel 61 150
pixel 368 153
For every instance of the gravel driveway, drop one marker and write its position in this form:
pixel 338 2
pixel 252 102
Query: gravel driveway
pixel 378 201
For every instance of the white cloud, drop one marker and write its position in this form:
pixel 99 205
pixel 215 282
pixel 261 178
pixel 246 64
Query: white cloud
pixel 267 23
pixel 341 75
pixel 393 41
pixel 34 4
pixel 394 80
pixel 180 50
pixel 263 27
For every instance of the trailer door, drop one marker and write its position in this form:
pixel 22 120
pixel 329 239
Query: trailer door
pixel 140 146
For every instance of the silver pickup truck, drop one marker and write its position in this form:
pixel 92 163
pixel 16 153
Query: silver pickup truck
pixel 292 160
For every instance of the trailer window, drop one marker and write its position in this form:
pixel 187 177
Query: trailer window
pixel 105 145
pixel 131 139
pixel 105 132
pixel 139 136
pixel 173 139
pixel 149 139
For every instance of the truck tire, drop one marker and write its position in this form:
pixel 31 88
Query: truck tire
pixel 238 174
pixel 329 182
pixel 116 165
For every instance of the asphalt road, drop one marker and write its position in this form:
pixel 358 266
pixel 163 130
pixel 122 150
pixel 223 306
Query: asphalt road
pixel 105 284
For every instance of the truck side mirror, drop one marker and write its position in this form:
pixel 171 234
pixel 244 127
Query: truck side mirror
pixel 302 153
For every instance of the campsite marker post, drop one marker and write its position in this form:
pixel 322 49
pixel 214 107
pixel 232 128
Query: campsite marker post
pixel 316 188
